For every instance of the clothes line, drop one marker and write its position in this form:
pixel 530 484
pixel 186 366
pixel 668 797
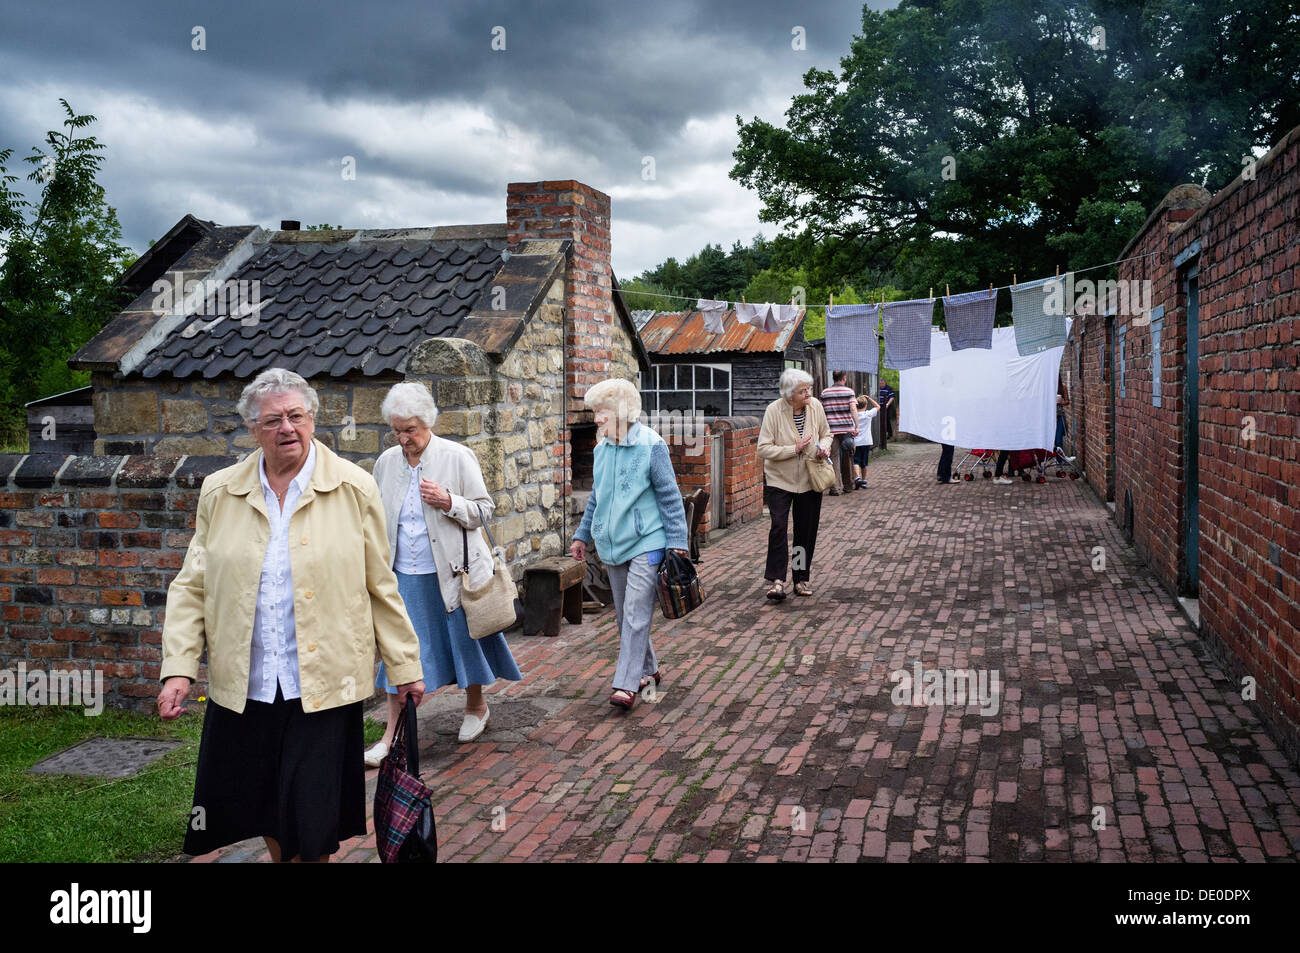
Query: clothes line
pixel 824 307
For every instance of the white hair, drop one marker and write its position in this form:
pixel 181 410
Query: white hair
pixel 274 380
pixel 617 395
pixel 409 399
pixel 791 378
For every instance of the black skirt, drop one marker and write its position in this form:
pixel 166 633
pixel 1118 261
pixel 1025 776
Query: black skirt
pixel 276 771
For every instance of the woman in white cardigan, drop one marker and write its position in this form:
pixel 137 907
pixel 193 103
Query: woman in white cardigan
pixel 434 501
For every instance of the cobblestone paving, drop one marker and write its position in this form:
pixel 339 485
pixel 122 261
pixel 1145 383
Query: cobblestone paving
pixel 775 735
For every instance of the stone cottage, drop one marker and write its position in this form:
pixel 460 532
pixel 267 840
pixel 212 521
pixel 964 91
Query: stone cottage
pixel 507 324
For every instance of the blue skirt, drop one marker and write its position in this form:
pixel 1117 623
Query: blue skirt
pixel 447 654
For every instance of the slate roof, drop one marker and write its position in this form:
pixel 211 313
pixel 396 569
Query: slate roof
pixel 336 309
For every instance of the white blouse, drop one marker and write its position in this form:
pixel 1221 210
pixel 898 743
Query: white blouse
pixel 414 555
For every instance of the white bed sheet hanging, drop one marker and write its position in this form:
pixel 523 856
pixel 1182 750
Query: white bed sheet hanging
pixel 992 399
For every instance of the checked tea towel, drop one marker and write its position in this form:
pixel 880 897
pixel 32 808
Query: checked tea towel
pixel 1038 315
pixel 851 341
pixel 970 319
pixel 907 333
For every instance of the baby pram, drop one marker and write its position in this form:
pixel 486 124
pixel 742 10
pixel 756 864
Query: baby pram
pixel 1034 464
pixel 983 459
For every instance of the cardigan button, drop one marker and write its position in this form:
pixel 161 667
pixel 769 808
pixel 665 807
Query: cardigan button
pixel 308 594
pixel 304 540
pixel 311 646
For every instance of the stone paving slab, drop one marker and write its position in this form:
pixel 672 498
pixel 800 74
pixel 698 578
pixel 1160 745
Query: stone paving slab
pixel 776 734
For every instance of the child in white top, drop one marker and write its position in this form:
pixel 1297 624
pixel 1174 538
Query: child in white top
pixel 862 447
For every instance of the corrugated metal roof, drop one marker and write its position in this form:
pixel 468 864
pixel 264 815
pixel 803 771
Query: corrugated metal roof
pixel 682 332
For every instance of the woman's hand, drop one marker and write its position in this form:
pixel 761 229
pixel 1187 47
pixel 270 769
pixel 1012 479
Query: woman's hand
pixel 578 550
pixel 414 689
pixel 435 495
pixel 172 697
pixel 823 452
pixel 803 444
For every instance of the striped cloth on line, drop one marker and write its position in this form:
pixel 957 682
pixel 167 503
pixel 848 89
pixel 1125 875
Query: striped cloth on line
pixel 969 318
pixel 907 333
pixel 851 341
pixel 1038 315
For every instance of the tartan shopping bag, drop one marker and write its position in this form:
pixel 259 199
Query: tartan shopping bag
pixel 678 585
pixel 404 827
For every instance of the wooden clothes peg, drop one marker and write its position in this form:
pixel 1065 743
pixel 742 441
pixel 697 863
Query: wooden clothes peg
pixel 947 291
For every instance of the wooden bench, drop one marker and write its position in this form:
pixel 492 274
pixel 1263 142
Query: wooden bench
pixel 554 589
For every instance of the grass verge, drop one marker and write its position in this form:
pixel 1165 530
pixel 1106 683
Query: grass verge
pixel 47 818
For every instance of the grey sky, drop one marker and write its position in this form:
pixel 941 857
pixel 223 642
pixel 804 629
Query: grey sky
pixel 255 127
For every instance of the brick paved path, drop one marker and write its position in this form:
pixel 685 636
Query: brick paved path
pixel 775 736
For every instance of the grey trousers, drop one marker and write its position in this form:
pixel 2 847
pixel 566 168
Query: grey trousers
pixel 633 584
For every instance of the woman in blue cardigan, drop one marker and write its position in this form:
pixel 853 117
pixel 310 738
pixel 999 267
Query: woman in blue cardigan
pixel 633 515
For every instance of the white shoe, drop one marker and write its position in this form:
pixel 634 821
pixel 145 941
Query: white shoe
pixel 1002 481
pixel 473 726
pixel 375 754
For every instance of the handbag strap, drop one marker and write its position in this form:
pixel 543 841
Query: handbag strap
pixel 412 748
pixel 464 540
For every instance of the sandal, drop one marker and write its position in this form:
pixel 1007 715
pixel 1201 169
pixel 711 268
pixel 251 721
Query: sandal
pixel 645 680
pixel 777 592
pixel 802 589
pixel 622 698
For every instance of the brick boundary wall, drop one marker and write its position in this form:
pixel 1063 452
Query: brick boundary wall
pixel 88 546
pixel 742 476
pixel 1245 243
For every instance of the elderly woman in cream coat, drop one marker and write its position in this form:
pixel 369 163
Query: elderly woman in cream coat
pixel 288 590
pixel 794 427
pixel 434 502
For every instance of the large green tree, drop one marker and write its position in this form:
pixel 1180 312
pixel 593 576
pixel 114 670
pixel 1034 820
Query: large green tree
pixel 963 140
pixel 61 257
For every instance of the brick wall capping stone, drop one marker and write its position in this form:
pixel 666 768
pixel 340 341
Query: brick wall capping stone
pixel 1188 196
pixel 449 357
pixel 194 470
pixel 39 469
pixel 147 472
pixel 90 471
pixel 8 463
pixel 1262 163
pixel 734 423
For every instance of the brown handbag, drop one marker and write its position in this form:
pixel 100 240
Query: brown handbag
pixel 494 606
pixel 820 472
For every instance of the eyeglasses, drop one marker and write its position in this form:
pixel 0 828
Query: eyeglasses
pixel 296 419
pixel 407 432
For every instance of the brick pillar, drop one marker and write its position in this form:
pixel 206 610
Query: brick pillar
pixel 570 210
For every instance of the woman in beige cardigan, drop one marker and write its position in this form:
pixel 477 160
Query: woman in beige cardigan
pixel 794 429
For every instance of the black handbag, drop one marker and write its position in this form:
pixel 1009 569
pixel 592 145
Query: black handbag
pixel 405 832
pixel 678 585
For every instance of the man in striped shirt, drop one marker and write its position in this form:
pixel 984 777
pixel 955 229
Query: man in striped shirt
pixel 838 402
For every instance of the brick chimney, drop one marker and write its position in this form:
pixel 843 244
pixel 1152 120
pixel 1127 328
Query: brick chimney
pixel 567 209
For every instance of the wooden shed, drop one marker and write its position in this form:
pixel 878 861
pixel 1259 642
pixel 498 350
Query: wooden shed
pixel 63 423
pixel 732 374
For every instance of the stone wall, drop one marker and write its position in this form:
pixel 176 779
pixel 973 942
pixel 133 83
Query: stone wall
pixel 197 417
pixel 512 416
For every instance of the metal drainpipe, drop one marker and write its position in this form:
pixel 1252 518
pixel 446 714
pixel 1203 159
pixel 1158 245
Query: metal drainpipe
pixel 564 421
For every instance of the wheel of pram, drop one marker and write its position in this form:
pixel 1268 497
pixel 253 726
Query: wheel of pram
pixel 1026 477
pixel 1042 479
pixel 968 477
pixel 1060 473
pixel 1074 476
pixel 988 475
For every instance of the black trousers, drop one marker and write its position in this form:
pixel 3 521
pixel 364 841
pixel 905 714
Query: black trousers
pixel 807 514
pixel 945 463
pixel 1003 457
